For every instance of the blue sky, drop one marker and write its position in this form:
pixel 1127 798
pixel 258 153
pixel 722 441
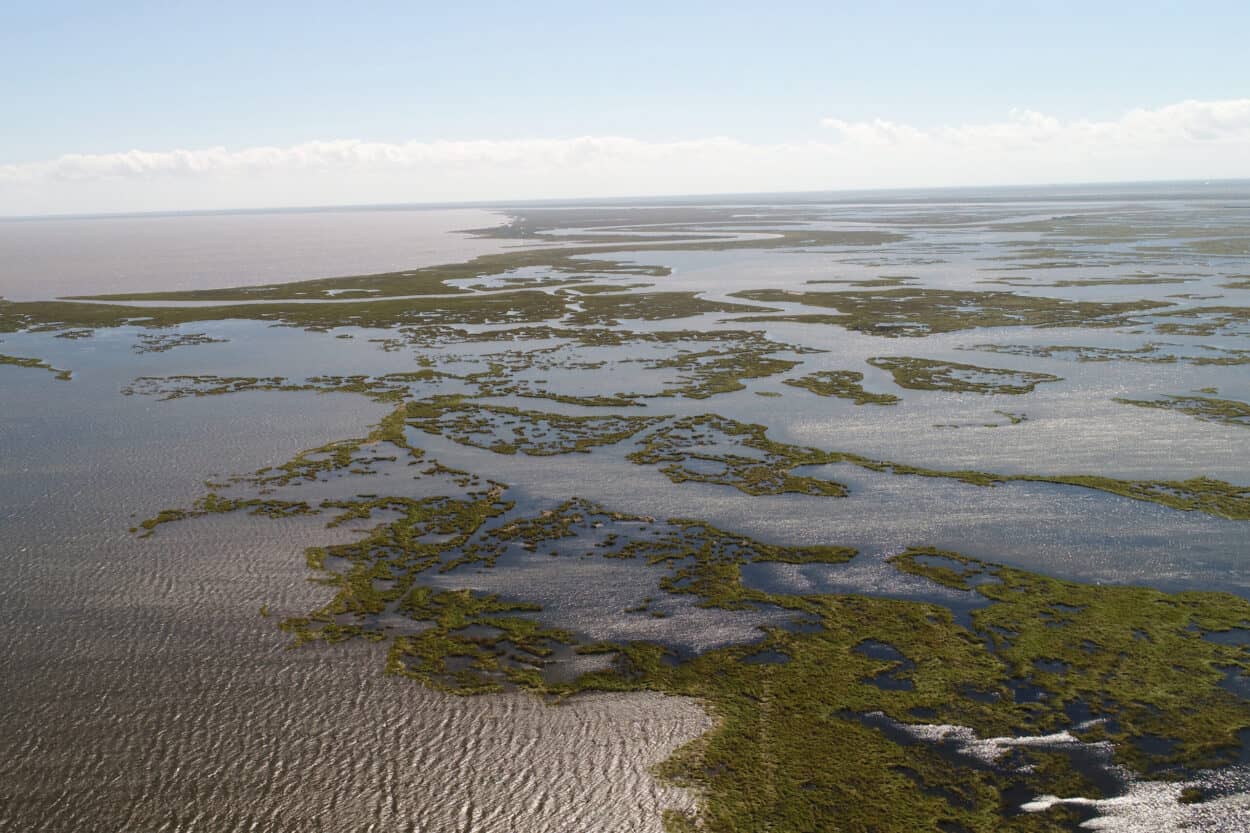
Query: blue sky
pixel 100 78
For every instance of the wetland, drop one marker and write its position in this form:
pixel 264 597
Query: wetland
pixel 645 516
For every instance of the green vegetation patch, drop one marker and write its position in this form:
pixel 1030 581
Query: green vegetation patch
pixel 1228 246
pixel 507 307
pixel 795 747
pixel 1137 657
pixel 704 373
pixel 385 444
pixel 931 374
pixel 803 738
pixel 507 430
pixel 1198 494
pixel 884 280
pixel 390 387
pixel 1149 353
pixel 164 342
pixel 37 364
pixel 712 449
pixel 705 363
pixel 1204 321
pixel 495 308
pixel 1131 280
pixel 844 384
pixel 1205 408
pixel 178 387
pixel 915 311
pixel 213 503
pixel 476 643
pixel 376 573
pixel 608 309
pixel 1011 417
pixel 699 559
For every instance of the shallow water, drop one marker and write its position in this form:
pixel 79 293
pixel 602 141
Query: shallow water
pixel 53 258
pixel 144 690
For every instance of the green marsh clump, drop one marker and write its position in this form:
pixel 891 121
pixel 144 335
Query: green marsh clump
pixel 389 387
pixel 700 559
pixel 1012 418
pixel 914 311
pixel 796 729
pixel 866 283
pixel 164 342
pixel 177 387
pixel 1150 353
pixel 508 430
pixel 213 503
pixel 511 307
pixel 1198 494
pixel 496 308
pixel 1131 280
pixel 472 645
pixel 1134 655
pixel 37 364
pixel 713 449
pixel 373 574
pixel 844 384
pixel 608 309
pixel 715 371
pixel 795 746
pixel 1205 408
pixel 1204 321
pixel 931 374
pixel 705 364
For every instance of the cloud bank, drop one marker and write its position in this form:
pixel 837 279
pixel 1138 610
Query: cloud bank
pixel 1190 139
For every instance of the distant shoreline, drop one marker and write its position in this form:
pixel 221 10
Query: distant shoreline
pixel 1201 189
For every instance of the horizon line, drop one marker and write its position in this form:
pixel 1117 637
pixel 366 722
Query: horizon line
pixel 618 199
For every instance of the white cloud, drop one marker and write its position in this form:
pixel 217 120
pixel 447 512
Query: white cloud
pixel 1183 124
pixel 1191 139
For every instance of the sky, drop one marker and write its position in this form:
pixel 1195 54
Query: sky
pixel 129 106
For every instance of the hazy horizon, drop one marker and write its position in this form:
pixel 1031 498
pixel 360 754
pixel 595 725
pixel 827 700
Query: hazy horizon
pixel 1030 191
